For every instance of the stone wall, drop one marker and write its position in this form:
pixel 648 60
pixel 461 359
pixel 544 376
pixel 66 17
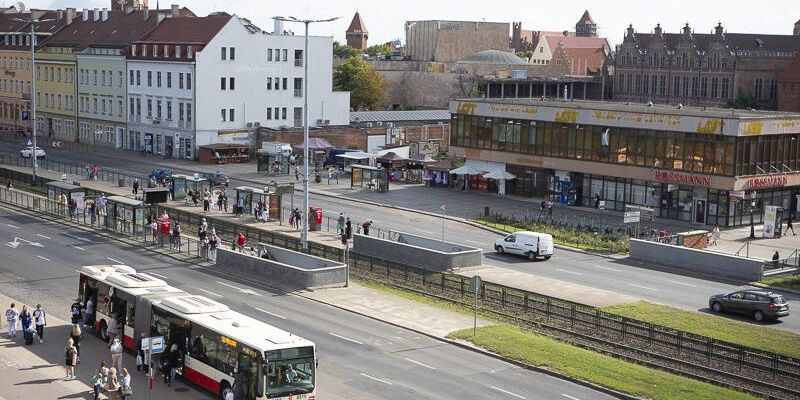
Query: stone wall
pixel 286 269
pixel 419 251
pixel 694 261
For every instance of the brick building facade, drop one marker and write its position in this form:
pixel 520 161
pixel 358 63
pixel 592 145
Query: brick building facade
pixel 789 86
pixel 714 70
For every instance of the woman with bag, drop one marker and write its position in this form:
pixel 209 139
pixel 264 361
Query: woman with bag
pixel 75 335
pixel 70 359
pixel 125 391
pixel 112 384
pixel 99 379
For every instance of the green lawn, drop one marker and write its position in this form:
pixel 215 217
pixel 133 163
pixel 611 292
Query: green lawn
pixel 718 327
pixel 789 282
pixel 579 239
pixel 634 379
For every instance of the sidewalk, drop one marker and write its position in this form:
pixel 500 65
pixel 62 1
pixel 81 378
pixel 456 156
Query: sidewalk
pixel 37 371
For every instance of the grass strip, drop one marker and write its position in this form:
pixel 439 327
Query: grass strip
pixel 717 327
pixel 604 370
pixel 565 236
pixel 788 282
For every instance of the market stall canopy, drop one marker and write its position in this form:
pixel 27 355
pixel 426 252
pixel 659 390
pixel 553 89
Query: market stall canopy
pixel 391 157
pixel 315 144
pixel 465 170
pixel 499 174
pixel 423 158
pixel 355 155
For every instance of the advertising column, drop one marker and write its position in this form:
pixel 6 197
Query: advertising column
pixel 770 215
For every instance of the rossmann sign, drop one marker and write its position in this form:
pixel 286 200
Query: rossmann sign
pixel 683 179
pixel 764 182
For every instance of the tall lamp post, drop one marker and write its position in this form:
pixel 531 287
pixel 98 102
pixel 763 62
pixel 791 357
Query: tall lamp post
pixel 32 22
pixel 752 209
pixel 306 22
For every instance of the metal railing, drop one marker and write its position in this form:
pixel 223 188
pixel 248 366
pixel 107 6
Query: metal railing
pixel 77 173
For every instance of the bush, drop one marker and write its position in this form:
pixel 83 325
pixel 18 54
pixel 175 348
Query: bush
pixel 567 236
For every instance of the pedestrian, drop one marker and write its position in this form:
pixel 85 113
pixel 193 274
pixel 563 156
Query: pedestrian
pixel 12 314
pixel 714 235
pixel 116 354
pixel 70 359
pixel 135 186
pixel 26 319
pixel 40 319
pixel 88 313
pixel 125 390
pixel 95 172
pixel 298 218
pixel 112 383
pixel 239 206
pixel 76 335
pixel 194 197
pixel 296 174
pixel 202 234
pixel 176 236
pixel 366 226
pixel 171 364
pixel 88 172
pixel 205 202
pixel 111 330
pixel 348 229
pixel 99 379
pixel 75 312
pixel 154 228
pixel 344 239
pixel 789 225
pixel 241 240
pixel 340 224
pixel 219 202
pixel 550 208
pixel 224 202
pixel 291 218
pixel 776 257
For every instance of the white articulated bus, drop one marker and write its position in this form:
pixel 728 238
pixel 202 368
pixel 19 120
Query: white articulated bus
pixel 121 293
pixel 230 353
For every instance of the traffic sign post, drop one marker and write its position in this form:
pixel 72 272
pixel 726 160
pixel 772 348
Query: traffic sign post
pixel 153 345
pixel 475 286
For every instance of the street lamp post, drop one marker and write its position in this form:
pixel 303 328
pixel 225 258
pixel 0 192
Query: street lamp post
pixel 306 22
pixel 33 89
pixel 752 209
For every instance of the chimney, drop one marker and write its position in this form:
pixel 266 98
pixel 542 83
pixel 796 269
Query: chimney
pixel 145 13
pixel 278 27
pixel 85 14
pixel 96 15
pixel 70 15
pixel 104 15
pixel 60 14
pixel 175 10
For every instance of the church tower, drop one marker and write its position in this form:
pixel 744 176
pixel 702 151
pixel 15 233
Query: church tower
pixel 357 34
pixel 586 26
pixel 120 5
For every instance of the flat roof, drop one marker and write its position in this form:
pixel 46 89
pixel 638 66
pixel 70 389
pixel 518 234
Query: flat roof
pixel 397 116
pixel 731 122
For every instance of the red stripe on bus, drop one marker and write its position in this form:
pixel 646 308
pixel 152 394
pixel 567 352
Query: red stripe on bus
pixel 127 342
pixel 201 380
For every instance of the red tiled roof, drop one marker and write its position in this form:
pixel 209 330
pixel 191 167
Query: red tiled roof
pixel 576 42
pixel 187 30
pixel 357 24
pixel 791 73
pixel 586 19
pixel 586 61
pixel 120 29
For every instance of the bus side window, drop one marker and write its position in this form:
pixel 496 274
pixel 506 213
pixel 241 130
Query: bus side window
pixel 131 315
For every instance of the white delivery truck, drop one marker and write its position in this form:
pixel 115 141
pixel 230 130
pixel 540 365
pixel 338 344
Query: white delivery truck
pixel 525 243
pixel 278 149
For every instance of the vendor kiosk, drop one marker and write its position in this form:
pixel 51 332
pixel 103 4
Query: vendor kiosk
pixel 182 184
pixel 125 215
pixel 372 178
pixel 54 191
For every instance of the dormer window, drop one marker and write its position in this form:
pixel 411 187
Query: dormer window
pixel 144 50
pixel 177 51
pixel 133 50
pixel 189 52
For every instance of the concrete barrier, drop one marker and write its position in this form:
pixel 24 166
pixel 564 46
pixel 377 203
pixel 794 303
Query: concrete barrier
pixel 283 268
pixel 709 263
pixel 419 251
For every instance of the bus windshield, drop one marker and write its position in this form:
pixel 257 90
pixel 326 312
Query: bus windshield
pixel 290 371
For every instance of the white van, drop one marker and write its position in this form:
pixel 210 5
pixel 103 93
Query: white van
pixel 529 244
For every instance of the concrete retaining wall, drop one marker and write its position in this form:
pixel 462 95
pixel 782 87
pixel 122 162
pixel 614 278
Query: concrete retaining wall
pixel 726 266
pixel 284 268
pixel 418 251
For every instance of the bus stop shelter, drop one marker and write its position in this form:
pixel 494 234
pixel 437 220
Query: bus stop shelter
pixel 372 178
pixel 182 184
pixel 125 215
pixel 56 188
pixel 250 197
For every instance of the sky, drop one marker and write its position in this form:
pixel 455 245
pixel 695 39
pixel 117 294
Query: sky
pixel 385 19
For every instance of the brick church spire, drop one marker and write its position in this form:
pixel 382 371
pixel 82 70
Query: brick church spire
pixel 357 34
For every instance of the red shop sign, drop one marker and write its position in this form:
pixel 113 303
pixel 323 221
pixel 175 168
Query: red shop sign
pixel 767 182
pixel 686 179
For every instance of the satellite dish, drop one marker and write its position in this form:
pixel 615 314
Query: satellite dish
pixel 20 6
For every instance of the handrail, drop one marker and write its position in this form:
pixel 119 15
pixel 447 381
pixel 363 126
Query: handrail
pixel 746 244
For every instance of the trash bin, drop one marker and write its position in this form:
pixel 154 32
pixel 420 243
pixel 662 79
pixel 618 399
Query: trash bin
pixel 121 182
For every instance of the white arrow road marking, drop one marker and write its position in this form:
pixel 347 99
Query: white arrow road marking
pixel 43 236
pixel 83 239
pixel 13 244
pixel 209 292
pixel 245 291
pixel 344 338
pixel 273 314
pixel 13 226
pixel 376 379
pixel 113 260
pixel 507 392
pixel 44 258
pixel 420 364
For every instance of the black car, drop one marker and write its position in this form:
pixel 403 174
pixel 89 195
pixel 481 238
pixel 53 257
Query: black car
pixel 758 304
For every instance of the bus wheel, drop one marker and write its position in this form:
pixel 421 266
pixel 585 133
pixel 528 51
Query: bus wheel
pixel 225 392
pixel 102 332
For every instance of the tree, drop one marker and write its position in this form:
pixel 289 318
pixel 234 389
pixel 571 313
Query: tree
pixel 379 49
pixel 344 51
pixel 367 88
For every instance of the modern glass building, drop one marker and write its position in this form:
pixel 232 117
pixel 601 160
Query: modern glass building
pixel 692 164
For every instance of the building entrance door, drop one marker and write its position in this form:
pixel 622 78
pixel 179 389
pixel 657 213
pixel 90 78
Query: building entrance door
pixel 700 208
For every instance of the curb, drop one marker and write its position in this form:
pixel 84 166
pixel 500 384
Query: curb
pixel 775 288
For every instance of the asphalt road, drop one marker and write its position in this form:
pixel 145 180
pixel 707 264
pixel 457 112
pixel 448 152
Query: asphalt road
pixel 359 357
pixel 593 271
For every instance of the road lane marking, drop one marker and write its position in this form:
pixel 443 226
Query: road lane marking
pixel 273 314
pixel 419 363
pixel 43 236
pixel 507 392
pixel 607 268
pixel 682 283
pixel 568 272
pixel 245 291
pixel 570 397
pixel 644 287
pixel 78 247
pixel 13 226
pixel 113 260
pixel 379 380
pixel 344 338
pixel 157 274
pixel 209 292
pixel 44 258
pixel 83 239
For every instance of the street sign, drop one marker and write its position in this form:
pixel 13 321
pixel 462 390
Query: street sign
pixel 30 143
pixel 632 217
pixel 26 115
pixel 56 144
pixel 475 284
pixel 157 344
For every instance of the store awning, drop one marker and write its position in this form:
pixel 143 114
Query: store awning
pixel 465 170
pixel 499 174
pixel 355 155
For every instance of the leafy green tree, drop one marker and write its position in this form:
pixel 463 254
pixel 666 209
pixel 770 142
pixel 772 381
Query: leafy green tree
pixel 368 89
pixel 378 49
pixel 344 51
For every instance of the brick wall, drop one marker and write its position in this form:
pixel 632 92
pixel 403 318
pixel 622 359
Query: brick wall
pixel 356 138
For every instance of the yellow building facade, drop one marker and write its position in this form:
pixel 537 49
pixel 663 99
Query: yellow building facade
pixel 55 92
pixel 15 89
